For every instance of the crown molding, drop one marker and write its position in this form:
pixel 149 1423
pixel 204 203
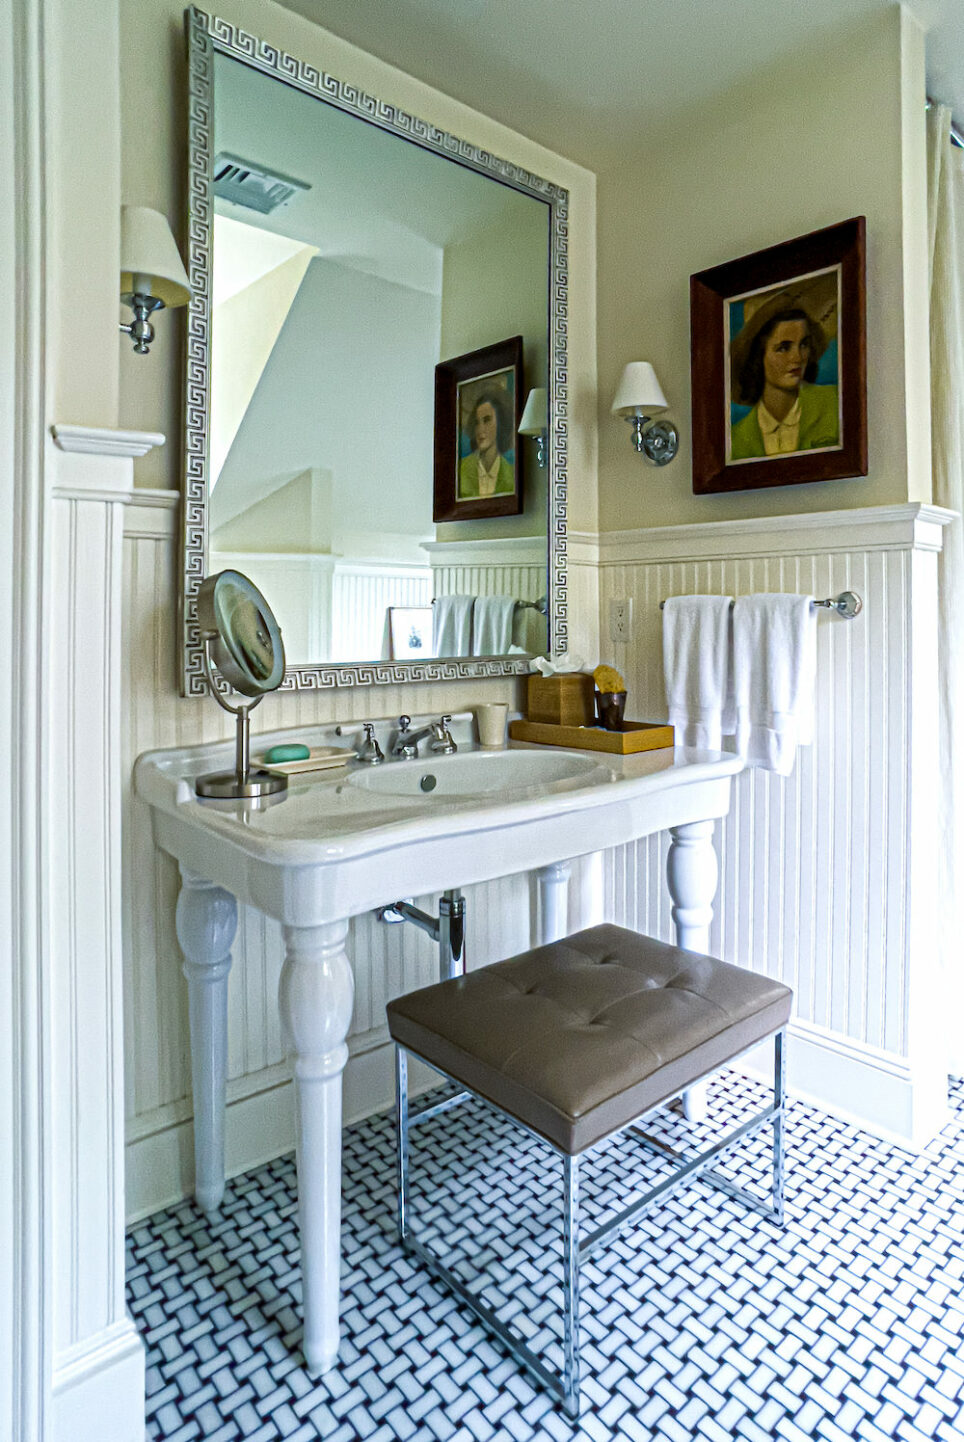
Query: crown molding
pixel 104 441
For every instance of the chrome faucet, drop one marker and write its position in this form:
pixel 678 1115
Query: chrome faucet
pixel 405 742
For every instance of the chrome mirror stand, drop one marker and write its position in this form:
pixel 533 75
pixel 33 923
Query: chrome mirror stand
pixel 242 782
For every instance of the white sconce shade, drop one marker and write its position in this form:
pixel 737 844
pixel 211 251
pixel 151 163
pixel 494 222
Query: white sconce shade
pixel 639 391
pixel 535 417
pixel 149 253
pixel 639 397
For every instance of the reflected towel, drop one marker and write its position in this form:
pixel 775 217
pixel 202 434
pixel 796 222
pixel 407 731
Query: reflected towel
pixel 774 675
pixel 452 625
pixel 696 665
pixel 492 625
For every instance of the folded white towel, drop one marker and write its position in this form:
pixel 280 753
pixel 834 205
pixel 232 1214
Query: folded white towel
pixel 492 625
pixel 774 674
pixel 696 664
pixel 452 625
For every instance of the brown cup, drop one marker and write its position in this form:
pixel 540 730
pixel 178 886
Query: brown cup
pixel 610 706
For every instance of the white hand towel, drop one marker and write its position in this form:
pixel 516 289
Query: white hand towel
pixel 492 625
pixel 452 625
pixel 774 674
pixel 696 664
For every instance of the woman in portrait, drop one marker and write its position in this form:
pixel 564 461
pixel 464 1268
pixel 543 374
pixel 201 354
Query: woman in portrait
pixel 485 471
pixel 773 369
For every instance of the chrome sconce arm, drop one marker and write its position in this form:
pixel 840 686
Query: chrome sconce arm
pixel 658 441
pixel 140 329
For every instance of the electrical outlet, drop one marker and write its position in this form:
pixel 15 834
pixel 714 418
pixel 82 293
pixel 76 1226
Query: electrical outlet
pixel 620 620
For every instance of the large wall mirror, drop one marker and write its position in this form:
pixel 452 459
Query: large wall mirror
pixel 348 261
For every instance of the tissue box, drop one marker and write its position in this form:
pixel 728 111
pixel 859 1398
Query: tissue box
pixel 568 700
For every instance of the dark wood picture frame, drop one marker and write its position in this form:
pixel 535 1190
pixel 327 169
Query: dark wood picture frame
pixel 450 376
pixel 711 291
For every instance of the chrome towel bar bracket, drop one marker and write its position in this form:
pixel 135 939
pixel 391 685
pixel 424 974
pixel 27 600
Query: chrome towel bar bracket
pixel 848 604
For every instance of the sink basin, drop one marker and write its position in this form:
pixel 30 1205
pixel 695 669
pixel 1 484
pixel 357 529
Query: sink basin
pixel 479 773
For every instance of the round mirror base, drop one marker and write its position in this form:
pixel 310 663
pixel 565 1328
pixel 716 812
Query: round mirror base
pixel 229 786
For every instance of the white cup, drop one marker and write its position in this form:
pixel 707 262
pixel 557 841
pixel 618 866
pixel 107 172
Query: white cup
pixel 492 717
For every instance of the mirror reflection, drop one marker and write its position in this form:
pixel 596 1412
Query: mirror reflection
pixel 348 265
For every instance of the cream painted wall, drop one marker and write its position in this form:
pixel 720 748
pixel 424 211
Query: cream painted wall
pixel 153 140
pixel 838 133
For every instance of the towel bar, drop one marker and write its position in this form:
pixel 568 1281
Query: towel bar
pixel 542 605
pixel 848 604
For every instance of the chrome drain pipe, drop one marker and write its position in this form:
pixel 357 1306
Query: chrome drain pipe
pixel 447 929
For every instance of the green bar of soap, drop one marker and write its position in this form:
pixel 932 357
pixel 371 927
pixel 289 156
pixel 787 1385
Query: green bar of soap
pixel 294 751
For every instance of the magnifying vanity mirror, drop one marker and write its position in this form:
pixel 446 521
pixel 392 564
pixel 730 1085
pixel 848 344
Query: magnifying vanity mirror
pixel 341 252
pixel 241 637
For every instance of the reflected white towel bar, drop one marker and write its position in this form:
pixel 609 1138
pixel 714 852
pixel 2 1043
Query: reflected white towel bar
pixel 848 604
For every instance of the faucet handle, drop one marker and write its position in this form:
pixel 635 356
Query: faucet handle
pixel 404 722
pixel 442 742
pixel 370 752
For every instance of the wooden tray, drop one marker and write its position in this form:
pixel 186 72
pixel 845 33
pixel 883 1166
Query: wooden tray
pixel 638 736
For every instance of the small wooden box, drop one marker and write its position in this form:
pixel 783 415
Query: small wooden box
pixel 562 700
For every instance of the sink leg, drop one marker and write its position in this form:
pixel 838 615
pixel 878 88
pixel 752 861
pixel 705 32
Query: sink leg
pixel 206 920
pixel 316 997
pixel 554 901
pixel 692 873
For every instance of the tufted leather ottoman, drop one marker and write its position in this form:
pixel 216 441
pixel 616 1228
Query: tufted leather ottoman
pixel 575 1041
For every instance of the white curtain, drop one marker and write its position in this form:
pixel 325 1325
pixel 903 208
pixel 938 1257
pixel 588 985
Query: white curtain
pixel 945 207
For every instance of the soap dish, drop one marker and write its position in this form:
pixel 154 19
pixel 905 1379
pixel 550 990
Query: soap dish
pixel 319 758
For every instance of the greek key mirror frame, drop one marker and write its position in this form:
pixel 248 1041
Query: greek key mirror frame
pixel 208 35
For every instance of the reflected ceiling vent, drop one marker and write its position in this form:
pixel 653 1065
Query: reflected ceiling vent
pixel 252 186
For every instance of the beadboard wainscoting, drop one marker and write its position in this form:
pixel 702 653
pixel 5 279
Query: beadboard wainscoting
pixel 388 959
pixel 825 876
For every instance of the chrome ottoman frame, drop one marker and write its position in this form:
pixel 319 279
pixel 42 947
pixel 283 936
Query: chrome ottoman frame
pixel 576 1249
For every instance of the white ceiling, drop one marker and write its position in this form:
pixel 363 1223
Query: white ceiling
pixel 587 77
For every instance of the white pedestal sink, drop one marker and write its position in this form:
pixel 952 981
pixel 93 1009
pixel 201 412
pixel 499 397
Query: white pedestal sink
pixel 340 843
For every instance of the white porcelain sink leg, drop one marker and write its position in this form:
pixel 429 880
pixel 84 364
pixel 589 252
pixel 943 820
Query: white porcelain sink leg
pixel 692 874
pixel 316 995
pixel 206 921
pixel 554 901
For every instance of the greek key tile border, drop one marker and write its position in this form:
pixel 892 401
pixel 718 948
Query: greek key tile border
pixel 208 35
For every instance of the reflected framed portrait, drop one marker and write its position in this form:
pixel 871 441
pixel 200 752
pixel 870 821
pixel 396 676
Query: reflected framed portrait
pixel 478 459
pixel 779 371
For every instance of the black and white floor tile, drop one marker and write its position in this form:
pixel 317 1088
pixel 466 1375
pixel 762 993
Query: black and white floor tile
pixel 705 1321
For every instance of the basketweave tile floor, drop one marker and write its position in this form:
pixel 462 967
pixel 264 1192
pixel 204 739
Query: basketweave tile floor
pixel 704 1321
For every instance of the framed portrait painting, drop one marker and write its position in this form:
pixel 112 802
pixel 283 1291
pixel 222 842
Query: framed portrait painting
pixel 779 367
pixel 478 459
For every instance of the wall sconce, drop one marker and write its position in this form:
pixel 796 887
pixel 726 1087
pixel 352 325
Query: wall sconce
pixel 535 422
pixel 639 396
pixel 152 274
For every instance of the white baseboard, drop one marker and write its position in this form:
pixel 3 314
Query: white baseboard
pixel 259 1126
pixel 873 1090
pixel 98 1388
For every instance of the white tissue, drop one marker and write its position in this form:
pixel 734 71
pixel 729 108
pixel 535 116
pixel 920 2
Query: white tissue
pixel 563 665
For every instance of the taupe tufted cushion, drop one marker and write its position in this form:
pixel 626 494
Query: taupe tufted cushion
pixel 578 1038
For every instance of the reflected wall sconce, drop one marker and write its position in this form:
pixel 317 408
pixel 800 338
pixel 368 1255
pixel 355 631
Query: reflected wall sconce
pixel 152 273
pixel 639 396
pixel 535 422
